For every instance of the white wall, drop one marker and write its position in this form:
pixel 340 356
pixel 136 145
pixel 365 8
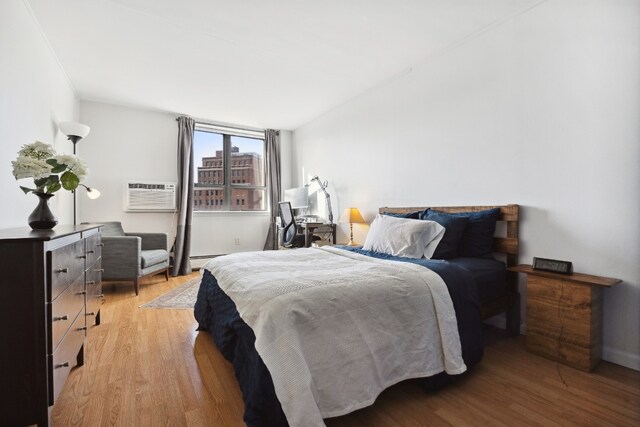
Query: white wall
pixel 541 111
pixel 128 143
pixel 286 158
pixel 34 96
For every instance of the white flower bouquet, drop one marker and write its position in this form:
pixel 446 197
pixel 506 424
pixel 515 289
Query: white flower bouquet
pixel 50 171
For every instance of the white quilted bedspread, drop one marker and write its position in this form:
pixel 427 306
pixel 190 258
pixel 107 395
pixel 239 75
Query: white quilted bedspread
pixel 336 328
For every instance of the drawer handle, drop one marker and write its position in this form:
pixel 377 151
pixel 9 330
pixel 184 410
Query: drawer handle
pixel 100 296
pixel 63 317
pixel 63 270
pixel 91 313
pixel 62 365
pixel 91 282
pixel 100 244
pixel 81 293
pixel 91 252
pixel 82 257
pixel 99 270
pixel 82 328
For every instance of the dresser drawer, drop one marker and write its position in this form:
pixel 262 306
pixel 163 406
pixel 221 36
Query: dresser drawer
pixel 64 310
pixel 94 292
pixel 67 264
pixel 94 275
pixel 94 301
pixel 93 248
pixel 66 356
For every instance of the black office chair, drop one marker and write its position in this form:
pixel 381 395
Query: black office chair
pixel 289 235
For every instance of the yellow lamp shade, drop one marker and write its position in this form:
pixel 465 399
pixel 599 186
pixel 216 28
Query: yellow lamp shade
pixel 352 216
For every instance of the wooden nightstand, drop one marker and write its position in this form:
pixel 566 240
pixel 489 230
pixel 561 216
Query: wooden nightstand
pixel 564 316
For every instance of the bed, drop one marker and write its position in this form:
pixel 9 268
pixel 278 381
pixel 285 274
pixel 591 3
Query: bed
pixel 310 390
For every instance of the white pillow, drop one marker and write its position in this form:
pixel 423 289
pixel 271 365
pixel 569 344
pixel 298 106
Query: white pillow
pixel 403 237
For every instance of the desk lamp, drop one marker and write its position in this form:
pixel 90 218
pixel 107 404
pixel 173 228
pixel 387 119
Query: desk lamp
pixel 352 215
pixel 323 186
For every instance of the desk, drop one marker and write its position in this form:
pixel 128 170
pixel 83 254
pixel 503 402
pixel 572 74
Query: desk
pixel 317 228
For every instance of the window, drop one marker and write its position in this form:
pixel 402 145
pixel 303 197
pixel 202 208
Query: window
pixel 221 155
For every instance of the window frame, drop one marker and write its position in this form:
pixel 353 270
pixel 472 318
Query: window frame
pixel 228 185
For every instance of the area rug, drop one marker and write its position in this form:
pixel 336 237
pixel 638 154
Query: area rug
pixel 184 296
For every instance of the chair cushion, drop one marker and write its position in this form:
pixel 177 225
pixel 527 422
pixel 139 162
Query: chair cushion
pixel 153 257
pixel 112 228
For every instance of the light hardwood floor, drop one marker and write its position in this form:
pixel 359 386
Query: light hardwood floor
pixel 149 367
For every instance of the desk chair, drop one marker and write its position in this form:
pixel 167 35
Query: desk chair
pixel 289 235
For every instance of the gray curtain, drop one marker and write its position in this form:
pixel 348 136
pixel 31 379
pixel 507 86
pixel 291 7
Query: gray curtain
pixel 182 247
pixel 272 141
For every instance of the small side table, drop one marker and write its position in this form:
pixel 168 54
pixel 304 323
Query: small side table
pixel 311 228
pixel 564 316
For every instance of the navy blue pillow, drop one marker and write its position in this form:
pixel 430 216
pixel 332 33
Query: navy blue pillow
pixel 477 240
pixel 454 230
pixel 410 215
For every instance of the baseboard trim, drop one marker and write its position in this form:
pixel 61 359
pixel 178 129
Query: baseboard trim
pixel 198 261
pixel 500 321
pixel 622 358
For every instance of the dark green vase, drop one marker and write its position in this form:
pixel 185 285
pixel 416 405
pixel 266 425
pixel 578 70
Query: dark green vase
pixel 42 218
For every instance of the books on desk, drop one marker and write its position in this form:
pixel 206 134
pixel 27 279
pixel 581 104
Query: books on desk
pixel 309 219
pixel 312 225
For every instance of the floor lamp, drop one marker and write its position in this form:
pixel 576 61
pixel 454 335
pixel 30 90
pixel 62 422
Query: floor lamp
pixel 75 132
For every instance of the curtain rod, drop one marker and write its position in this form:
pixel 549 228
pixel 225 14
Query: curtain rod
pixel 227 126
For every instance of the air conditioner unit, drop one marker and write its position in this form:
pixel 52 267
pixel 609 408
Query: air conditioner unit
pixel 144 196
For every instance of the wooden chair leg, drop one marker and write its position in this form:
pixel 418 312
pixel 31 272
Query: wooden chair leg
pixel 137 286
pixel 166 274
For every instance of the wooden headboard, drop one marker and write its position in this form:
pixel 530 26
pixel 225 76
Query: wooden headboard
pixel 508 245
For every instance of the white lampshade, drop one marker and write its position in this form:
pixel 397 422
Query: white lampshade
pixel 74 129
pixel 93 193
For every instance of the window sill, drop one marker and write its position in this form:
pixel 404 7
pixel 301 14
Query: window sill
pixel 231 213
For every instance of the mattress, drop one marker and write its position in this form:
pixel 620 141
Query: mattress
pixel 489 274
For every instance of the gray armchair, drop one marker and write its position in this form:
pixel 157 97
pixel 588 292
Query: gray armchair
pixel 131 256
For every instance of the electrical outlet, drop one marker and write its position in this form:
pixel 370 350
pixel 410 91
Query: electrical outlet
pixel 237 240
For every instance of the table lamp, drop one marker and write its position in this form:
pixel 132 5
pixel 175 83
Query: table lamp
pixel 352 215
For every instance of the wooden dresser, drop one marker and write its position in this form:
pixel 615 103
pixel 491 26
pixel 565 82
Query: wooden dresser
pixel 49 295
pixel 564 316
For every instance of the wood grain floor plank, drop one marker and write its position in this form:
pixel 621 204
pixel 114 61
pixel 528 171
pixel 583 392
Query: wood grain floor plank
pixel 150 367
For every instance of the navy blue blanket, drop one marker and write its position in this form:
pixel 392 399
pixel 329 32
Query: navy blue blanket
pixel 216 313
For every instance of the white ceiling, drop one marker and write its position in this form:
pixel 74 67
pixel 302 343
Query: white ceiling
pixel 264 63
